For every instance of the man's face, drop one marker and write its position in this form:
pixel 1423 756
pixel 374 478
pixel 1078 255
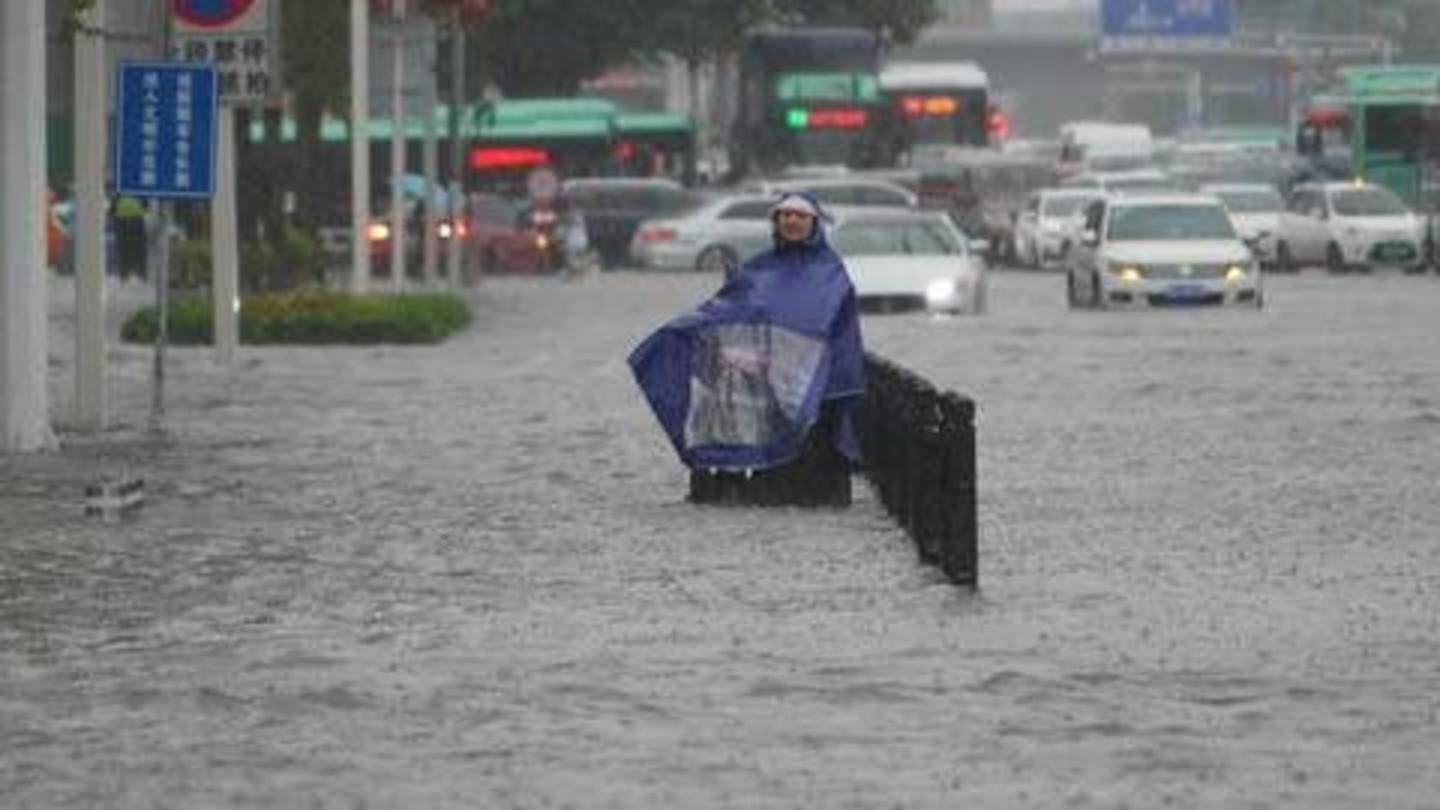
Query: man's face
pixel 794 226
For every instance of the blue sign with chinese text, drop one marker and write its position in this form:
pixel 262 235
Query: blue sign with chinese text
pixel 1167 18
pixel 165 128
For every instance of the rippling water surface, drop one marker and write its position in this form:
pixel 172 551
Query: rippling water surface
pixel 465 576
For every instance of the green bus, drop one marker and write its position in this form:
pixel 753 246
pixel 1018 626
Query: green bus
pixel 505 140
pixel 1386 120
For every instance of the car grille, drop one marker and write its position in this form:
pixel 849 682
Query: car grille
pixel 1209 299
pixel 891 303
pixel 1167 272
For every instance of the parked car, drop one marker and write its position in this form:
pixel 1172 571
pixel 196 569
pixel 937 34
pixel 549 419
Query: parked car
pixel 1049 224
pixel 1255 208
pixel 900 259
pixel 1156 250
pixel 614 207
pixel 714 237
pixel 1350 225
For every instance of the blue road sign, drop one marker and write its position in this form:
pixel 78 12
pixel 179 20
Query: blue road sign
pixel 165 114
pixel 211 13
pixel 1167 18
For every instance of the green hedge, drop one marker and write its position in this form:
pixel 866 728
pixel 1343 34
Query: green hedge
pixel 314 317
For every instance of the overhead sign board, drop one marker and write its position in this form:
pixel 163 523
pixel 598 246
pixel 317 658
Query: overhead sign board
pixel 237 37
pixel 165 115
pixel 1166 24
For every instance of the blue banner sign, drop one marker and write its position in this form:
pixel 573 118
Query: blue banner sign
pixel 1147 19
pixel 165 128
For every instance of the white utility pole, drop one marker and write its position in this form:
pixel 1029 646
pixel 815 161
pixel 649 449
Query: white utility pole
pixel 359 145
pixel 87 236
pixel 24 315
pixel 225 242
pixel 397 151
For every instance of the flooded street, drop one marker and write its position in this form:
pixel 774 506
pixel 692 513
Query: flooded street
pixel 465 576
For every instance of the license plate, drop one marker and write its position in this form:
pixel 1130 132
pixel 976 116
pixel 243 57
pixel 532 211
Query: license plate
pixel 1394 252
pixel 1184 291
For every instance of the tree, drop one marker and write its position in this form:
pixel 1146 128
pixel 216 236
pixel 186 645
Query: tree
pixel 547 47
pixel 898 21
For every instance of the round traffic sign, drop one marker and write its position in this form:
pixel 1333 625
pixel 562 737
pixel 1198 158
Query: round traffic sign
pixel 210 13
pixel 542 184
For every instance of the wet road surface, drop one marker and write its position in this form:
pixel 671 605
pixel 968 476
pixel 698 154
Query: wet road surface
pixel 465 576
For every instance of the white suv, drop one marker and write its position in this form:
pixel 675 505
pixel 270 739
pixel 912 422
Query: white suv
pixel 1346 225
pixel 1158 250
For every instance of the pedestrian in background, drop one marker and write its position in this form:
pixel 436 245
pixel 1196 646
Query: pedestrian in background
pixel 128 220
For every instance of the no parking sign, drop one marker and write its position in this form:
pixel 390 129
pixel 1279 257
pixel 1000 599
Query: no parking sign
pixel 234 35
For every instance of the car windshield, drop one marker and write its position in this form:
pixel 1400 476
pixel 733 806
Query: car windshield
pixel 1063 206
pixel 914 238
pixel 1251 202
pixel 1140 184
pixel 1368 202
pixel 1166 222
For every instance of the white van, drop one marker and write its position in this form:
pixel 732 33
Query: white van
pixel 1103 146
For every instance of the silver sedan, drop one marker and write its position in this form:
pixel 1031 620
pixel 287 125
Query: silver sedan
pixel 714 237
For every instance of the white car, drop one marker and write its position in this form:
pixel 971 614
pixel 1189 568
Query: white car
pixel 900 259
pixel 846 189
pixel 1138 181
pixel 714 237
pixel 1346 225
pixel 1159 250
pixel 1255 208
pixel 1049 224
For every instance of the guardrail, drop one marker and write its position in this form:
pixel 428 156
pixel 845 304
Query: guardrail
pixel 919 445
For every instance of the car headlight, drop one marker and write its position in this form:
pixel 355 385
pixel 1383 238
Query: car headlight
pixel 1128 273
pixel 941 291
pixel 1236 273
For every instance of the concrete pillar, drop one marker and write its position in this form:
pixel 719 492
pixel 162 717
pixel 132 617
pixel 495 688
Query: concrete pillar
pixel 24 400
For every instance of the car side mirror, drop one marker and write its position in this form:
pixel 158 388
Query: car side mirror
pixel 1317 213
pixel 1090 238
pixel 980 246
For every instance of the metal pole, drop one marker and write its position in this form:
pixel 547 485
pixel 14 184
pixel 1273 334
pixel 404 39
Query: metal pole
pixel 224 241
pixel 359 145
pixel 397 153
pixel 24 401
pixel 87 240
pixel 457 150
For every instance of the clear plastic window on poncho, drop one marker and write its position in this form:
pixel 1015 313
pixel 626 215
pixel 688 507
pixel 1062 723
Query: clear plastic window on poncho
pixel 749 384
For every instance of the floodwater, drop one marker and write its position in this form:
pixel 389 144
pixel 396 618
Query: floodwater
pixel 465 576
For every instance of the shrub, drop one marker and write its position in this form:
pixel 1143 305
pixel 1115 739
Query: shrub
pixel 313 316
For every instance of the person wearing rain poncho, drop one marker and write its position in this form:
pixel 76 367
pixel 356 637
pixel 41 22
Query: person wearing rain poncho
pixel 768 370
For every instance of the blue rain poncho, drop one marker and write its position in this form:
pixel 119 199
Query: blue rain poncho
pixel 739 382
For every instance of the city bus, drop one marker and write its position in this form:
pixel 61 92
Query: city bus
pixel 808 97
pixel 1383 123
pixel 505 140
pixel 937 104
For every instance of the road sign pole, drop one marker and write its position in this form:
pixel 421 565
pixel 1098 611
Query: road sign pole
pixel 225 241
pixel 87 240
